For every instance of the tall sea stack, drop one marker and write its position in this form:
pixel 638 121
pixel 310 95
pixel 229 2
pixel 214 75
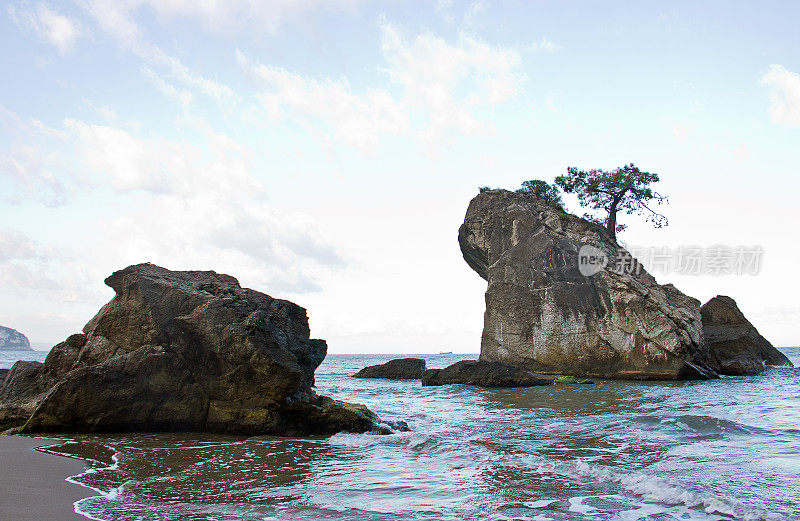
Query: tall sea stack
pixel 545 314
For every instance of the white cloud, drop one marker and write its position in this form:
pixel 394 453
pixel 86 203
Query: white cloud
pixel 26 165
pixel 15 245
pixel 195 205
pixel 353 119
pixel 117 19
pixel 681 131
pixel 544 45
pixel 446 81
pixel 233 14
pixel 741 152
pixel 784 93
pixel 113 157
pixel 60 30
pixel 27 267
pixel 443 5
pixel 443 85
pixel 264 248
pixel 551 105
pixel 202 208
pixel 475 11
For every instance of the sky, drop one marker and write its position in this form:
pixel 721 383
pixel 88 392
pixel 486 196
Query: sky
pixel 325 151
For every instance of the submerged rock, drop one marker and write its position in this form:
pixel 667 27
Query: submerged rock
pixel 398 369
pixel 483 374
pixel 566 379
pixel 390 427
pixel 180 351
pixel 736 346
pixel 11 339
pixel 544 315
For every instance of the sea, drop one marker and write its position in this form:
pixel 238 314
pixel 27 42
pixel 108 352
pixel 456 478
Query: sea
pixel 711 450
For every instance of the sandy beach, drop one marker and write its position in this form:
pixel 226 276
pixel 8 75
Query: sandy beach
pixel 32 483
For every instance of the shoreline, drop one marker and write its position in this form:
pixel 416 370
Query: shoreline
pixel 33 484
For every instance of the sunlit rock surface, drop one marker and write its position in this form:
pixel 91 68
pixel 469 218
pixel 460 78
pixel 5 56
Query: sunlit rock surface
pixel 544 315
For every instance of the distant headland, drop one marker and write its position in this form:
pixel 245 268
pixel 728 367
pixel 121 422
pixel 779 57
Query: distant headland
pixel 13 340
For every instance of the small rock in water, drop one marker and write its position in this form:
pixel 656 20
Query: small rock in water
pixel 736 346
pixel 484 374
pixel 398 369
pixel 390 427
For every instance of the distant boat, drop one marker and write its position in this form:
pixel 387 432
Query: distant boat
pixel 445 352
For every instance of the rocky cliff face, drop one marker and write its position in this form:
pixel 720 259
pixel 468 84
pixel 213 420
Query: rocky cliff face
pixel 544 315
pixel 737 348
pixel 12 339
pixel 179 350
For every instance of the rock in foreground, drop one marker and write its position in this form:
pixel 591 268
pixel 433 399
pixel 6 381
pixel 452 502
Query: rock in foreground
pixel 11 339
pixel 483 374
pixel 398 369
pixel 736 346
pixel 544 315
pixel 180 351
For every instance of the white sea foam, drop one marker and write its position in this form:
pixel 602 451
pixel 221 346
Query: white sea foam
pixel 416 440
pixel 348 439
pixel 656 489
pixel 576 505
pixel 541 503
pixel 112 494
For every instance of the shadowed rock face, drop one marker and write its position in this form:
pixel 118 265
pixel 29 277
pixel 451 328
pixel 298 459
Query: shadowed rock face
pixel 398 369
pixel 179 351
pixel 483 374
pixel 543 315
pixel 736 346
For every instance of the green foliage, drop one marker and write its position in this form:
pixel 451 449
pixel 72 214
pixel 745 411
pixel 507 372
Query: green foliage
pixel 484 189
pixel 623 189
pixel 543 190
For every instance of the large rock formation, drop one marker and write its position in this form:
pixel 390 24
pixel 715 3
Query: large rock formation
pixel 543 314
pixel 180 351
pixel 483 374
pixel 11 339
pixel 736 346
pixel 397 369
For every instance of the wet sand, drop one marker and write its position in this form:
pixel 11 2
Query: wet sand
pixel 32 483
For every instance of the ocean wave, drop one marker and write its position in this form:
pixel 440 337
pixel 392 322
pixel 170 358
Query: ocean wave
pixel 411 440
pixel 657 490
